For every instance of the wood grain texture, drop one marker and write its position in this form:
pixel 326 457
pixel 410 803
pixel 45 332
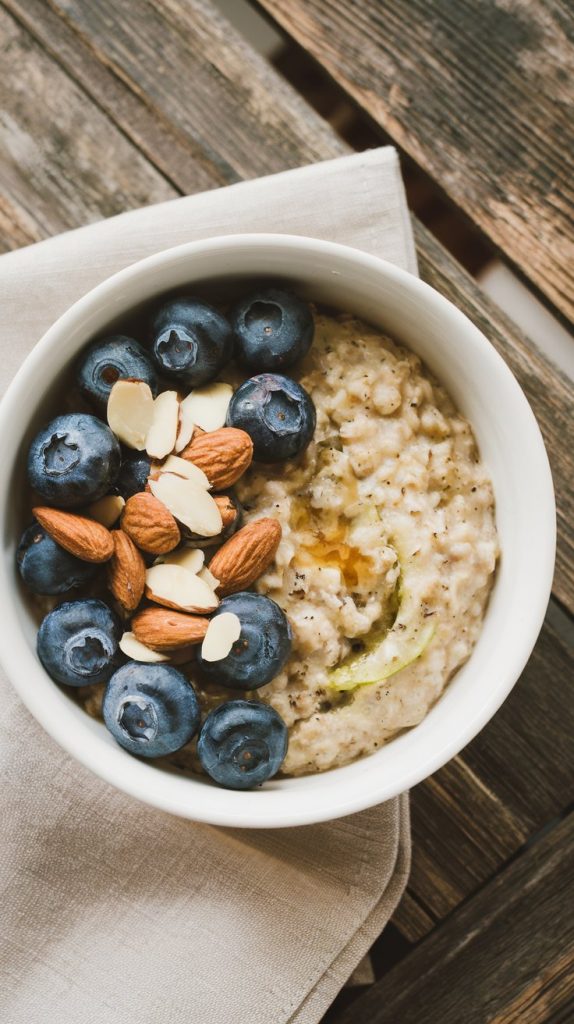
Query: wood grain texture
pixel 182 85
pixel 480 95
pixel 477 812
pixel 474 814
pixel 118 54
pixel 504 958
pixel 62 162
pixel 158 140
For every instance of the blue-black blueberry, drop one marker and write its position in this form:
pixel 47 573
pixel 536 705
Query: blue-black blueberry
pixel 191 341
pixel 73 460
pixel 114 358
pixel 133 474
pixel 78 643
pixel 262 649
pixel 242 744
pixel 277 413
pixel 151 710
pixel 46 568
pixel 273 328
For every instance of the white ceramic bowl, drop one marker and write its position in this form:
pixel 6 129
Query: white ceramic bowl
pixel 509 440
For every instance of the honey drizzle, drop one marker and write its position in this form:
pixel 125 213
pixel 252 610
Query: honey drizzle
pixel 327 547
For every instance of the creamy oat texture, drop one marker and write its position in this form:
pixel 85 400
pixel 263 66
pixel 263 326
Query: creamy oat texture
pixel 391 477
pixel 392 473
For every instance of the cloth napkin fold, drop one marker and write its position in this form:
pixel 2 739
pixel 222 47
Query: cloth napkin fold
pixel 113 912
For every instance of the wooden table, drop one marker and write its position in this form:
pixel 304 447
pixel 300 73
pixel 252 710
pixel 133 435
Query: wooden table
pixel 107 106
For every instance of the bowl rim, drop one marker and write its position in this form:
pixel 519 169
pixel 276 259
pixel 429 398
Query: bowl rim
pixel 267 813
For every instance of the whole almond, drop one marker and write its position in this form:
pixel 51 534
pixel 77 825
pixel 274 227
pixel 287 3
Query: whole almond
pixel 223 455
pixel 228 510
pixel 246 555
pixel 126 571
pixel 166 630
pixel 82 537
pixel 150 524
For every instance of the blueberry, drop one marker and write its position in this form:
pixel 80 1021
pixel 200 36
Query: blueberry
pixel 134 472
pixel 111 359
pixel 242 744
pixel 45 567
pixel 151 710
pixel 191 341
pixel 74 460
pixel 273 328
pixel 277 413
pixel 262 649
pixel 78 643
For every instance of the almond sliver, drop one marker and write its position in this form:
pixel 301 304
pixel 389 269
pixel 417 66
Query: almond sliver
pixel 207 576
pixel 189 503
pixel 179 588
pixel 138 651
pixel 181 467
pixel 207 406
pixel 107 510
pixel 130 412
pixel 185 426
pixel 188 558
pixel 222 632
pixel 162 433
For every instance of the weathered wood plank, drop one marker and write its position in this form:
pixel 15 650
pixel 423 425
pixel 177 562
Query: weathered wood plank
pixel 157 139
pixel 193 77
pixel 62 162
pixel 116 54
pixel 475 813
pixel 506 957
pixel 464 801
pixel 480 95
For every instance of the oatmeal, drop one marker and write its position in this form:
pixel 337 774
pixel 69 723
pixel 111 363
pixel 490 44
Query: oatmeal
pixel 275 574
pixel 390 487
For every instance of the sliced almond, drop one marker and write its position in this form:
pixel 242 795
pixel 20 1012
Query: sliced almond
pixel 162 433
pixel 185 426
pixel 223 455
pixel 176 587
pixel 188 558
pixel 229 515
pixel 130 412
pixel 181 467
pixel 82 537
pixel 246 555
pixel 207 576
pixel 150 524
pixel 189 502
pixel 107 510
pixel 166 630
pixel 222 632
pixel 208 405
pixel 126 572
pixel 137 651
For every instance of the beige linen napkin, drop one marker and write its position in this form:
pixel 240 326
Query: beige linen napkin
pixel 113 912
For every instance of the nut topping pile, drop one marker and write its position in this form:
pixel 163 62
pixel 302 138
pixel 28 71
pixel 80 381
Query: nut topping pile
pixel 140 492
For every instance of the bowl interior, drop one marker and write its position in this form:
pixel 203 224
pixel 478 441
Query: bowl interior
pixel 510 444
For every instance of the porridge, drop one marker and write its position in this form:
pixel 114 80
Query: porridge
pixel 390 497
pixel 244 575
